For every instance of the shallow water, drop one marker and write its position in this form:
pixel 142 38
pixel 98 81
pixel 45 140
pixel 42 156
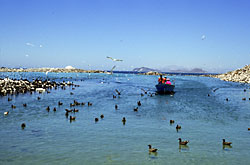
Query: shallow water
pixel 50 138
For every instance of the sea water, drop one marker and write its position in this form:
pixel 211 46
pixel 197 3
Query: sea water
pixel 50 137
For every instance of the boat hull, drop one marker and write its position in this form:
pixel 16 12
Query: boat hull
pixel 165 88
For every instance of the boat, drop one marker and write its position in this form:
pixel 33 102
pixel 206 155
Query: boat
pixel 165 88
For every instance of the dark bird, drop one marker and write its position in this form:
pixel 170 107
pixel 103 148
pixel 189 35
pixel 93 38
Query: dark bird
pixel 227 99
pixel 75 110
pixel 226 143
pixel 9 99
pixel 96 119
pixel 102 116
pixel 71 118
pixel 142 94
pixel 68 110
pixel 72 105
pixel 67 114
pixel 13 106
pixel 82 103
pixel 245 90
pixel 114 96
pixel 171 121
pixel 178 127
pixel 89 104
pixel 60 103
pixel 208 95
pixel 25 105
pixel 48 91
pixel 38 98
pixel 48 108
pixel 136 109
pixel 215 89
pixel 139 103
pixel 144 91
pixel 244 98
pixel 116 106
pixel 119 93
pixel 183 142
pixel 54 109
pixel 124 120
pixel 23 125
pixel 150 149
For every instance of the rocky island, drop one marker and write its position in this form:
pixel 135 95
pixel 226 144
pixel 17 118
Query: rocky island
pixel 240 75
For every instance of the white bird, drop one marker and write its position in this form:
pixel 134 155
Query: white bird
pixel 203 37
pixel 114 59
pixel 111 71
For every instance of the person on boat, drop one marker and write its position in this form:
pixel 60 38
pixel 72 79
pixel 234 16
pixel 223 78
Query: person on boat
pixel 160 79
pixel 164 80
pixel 168 81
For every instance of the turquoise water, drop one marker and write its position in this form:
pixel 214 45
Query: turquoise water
pixel 50 138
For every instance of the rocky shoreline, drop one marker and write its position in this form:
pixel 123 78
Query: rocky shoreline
pixel 240 75
pixel 13 87
pixel 57 70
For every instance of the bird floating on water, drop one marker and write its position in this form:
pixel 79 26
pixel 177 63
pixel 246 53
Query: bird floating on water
pixel 60 103
pixel 183 142
pixel 139 103
pixel 226 143
pixel 23 125
pixel 71 118
pixel 124 120
pixel 150 149
pixel 178 127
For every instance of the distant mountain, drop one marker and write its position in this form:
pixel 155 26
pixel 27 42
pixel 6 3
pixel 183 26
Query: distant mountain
pixel 195 70
pixel 145 69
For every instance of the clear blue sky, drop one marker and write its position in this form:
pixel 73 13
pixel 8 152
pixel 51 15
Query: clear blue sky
pixel 153 33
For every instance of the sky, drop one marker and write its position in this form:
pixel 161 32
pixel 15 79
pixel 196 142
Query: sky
pixel 163 34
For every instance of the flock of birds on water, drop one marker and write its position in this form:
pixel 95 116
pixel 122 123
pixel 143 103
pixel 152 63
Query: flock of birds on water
pixel 68 112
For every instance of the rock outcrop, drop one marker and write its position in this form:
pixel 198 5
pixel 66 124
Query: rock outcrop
pixel 12 87
pixel 240 75
pixel 151 73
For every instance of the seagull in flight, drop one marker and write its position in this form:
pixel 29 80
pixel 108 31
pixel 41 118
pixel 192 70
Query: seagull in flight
pixel 203 37
pixel 111 71
pixel 114 59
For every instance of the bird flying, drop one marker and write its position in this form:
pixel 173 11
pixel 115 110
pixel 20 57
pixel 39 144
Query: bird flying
pixel 203 37
pixel 114 59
